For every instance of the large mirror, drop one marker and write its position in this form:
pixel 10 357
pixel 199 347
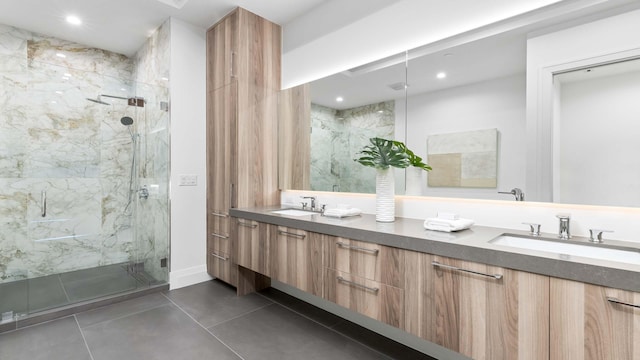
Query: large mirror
pixel 464 102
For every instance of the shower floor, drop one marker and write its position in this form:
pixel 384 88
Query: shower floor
pixel 38 294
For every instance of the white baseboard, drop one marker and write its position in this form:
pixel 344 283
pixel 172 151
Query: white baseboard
pixel 189 276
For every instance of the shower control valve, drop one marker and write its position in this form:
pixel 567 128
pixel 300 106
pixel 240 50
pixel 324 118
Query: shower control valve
pixel 143 193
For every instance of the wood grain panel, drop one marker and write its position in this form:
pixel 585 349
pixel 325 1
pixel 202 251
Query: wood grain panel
pixel 584 325
pixel 294 127
pixel 221 121
pixel 419 295
pixel 221 51
pixel 486 318
pixel 252 245
pixel 371 261
pixel 296 258
pixel 222 266
pixel 386 304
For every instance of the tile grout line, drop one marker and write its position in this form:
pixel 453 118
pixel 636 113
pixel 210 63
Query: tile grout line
pixel 125 315
pixel 205 329
pixel 332 328
pixel 83 338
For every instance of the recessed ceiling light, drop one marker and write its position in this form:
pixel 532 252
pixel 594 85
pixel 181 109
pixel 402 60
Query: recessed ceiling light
pixel 339 99
pixel 61 55
pixel 58 92
pixel 165 78
pixel 441 75
pixel 67 75
pixel 74 20
pixel 380 111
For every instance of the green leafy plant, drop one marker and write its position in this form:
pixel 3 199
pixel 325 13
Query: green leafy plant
pixel 383 153
pixel 415 160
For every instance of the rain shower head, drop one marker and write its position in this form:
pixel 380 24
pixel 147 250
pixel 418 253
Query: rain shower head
pixel 98 101
pixel 126 121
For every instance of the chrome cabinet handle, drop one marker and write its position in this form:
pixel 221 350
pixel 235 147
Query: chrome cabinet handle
pixel 355 284
pixel 358 248
pixel 253 226
pixel 219 236
pixel 437 264
pixel 43 201
pixel 222 215
pixel 618 301
pixel 286 233
pixel 233 55
pixel 219 257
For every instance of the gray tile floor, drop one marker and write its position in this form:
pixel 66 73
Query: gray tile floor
pixel 37 294
pixel 203 321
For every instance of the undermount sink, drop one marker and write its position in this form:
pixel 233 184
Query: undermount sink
pixel 293 212
pixel 564 247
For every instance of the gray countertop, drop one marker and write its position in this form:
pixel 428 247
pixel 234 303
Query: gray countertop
pixel 471 245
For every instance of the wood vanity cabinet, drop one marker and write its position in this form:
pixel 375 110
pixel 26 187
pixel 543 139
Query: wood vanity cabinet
pixel 243 81
pixel 593 322
pixel 252 245
pixel 366 278
pixel 486 312
pixel 296 258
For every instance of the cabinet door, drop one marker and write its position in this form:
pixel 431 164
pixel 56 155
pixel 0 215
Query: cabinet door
pixel 371 261
pixel 296 258
pixel 222 52
pixel 253 245
pixel 371 298
pixel 593 322
pixel 488 312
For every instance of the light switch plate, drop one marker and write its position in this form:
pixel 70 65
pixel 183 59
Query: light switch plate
pixel 188 180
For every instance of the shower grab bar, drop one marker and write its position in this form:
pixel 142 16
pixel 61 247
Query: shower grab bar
pixel 43 202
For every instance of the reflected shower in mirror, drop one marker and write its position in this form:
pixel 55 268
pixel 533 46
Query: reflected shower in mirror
pixel 596 132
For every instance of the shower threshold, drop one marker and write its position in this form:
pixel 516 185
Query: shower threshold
pixel 30 301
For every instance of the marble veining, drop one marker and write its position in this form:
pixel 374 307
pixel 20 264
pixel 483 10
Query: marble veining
pixel 53 140
pixel 337 136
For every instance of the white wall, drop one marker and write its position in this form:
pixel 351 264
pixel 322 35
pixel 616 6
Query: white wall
pixel 599 142
pixel 497 103
pixel 188 154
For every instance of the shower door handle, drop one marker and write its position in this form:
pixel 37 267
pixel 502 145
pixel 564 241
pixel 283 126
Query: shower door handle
pixel 43 202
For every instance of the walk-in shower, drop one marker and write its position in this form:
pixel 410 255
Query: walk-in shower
pixel 76 225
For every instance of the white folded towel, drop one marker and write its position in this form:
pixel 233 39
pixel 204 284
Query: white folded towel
pixel 439 224
pixel 340 213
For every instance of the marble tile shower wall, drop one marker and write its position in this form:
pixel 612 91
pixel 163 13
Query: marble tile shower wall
pixel 52 139
pixel 336 137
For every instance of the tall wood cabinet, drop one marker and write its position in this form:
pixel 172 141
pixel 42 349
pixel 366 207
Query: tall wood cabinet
pixel 243 81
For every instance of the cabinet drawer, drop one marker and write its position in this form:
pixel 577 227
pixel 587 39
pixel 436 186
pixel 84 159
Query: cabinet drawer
pixel 296 258
pixel 219 243
pixel 371 298
pixel 221 266
pixel 218 222
pixel 252 245
pixel 370 261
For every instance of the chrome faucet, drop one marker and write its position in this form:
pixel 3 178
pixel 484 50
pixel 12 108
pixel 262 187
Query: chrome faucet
pixel 516 192
pixel 564 231
pixel 313 201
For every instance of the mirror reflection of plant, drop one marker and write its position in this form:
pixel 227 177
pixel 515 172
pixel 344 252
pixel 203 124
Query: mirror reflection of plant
pixel 383 153
pixel 415 160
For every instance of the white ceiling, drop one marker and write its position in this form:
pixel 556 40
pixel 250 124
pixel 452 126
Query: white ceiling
pixel 122 26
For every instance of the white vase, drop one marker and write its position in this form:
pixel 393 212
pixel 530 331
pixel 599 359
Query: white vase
pixel 414 181
pixel 385 196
